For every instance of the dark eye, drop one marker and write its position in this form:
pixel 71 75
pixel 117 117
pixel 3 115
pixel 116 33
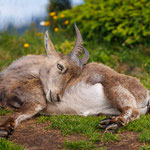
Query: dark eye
pixel 60 67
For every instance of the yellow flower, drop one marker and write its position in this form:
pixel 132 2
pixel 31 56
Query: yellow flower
pixel 54 17
pixel 66 22
pixel 62 16
pixel 47 23
pixel 26 45
pixel 52 13
pixel 39 34
pixel 56 29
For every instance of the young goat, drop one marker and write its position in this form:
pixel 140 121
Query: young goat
pixel 20 85
pixel 80 88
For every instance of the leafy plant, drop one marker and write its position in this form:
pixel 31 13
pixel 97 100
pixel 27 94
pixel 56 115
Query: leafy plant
pixel 124 21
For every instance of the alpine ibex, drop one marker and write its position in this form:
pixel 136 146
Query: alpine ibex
pixel 58 84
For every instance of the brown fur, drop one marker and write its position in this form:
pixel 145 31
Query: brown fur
pixel 124 92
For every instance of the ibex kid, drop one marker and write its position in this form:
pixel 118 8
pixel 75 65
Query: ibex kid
pixel 21 88
pixel 80 88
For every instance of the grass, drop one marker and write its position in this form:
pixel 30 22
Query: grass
pixel 7 145
pixel 87 127
pixel 3 112
pixel 132 60
pixel 145 147
pixel 145 136
pixel 139 125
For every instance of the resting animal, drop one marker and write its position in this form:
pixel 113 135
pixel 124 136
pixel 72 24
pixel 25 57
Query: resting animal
pixel 59 84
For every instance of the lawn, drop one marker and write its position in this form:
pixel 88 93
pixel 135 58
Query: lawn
pixel 77 132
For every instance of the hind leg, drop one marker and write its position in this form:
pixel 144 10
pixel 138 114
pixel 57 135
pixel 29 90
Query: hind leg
pixel 126 103
pixel 27 110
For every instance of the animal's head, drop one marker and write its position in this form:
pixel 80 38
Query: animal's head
pixel 59 69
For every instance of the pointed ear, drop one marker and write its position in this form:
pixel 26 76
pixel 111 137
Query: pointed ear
pixel 48 45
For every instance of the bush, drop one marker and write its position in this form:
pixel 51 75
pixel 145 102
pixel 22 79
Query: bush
pixel 126 21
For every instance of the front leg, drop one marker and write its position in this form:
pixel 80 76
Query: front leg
pixel 27 110
pixel 126 103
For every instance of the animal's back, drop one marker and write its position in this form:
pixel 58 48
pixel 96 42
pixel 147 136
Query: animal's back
pixel 110 78
pixel 20 71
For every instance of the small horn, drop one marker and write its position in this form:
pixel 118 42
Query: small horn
pixel 77 49
pixel 85 57
pixel 48 44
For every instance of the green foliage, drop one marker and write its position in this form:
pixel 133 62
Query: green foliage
pixel 65 47
pixel 7 145
pixel 122 20
pixel 59 5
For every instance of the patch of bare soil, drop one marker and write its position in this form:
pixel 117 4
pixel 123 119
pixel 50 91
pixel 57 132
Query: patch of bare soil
pixel 129 141
pixel 33 136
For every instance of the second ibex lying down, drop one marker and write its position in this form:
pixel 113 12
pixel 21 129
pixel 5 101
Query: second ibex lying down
pixel 59 84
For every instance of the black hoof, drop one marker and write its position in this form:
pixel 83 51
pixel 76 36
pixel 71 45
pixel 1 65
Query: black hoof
pixel 111 128
pixel 104 123
pixel 11 130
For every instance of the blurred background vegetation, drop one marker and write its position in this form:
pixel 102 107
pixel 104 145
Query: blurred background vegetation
pixel 116 33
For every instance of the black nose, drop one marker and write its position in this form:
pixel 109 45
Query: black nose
pixel 58 98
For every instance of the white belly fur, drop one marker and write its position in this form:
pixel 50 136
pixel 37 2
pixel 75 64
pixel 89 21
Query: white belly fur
pixel 83 99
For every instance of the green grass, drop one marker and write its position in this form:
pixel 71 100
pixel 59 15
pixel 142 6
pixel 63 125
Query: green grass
pixel 139 125
pixel 86 126
pixel 145 136
pixel 7 145
pixel 3 112
pixel 145 147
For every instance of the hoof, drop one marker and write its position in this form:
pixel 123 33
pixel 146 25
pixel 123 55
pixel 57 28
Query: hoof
pixel 112 128
pixel 6 131
pixel 3 133
pixel 11 130
pixel 104 123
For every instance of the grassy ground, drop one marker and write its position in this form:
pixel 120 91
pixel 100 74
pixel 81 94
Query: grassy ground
pixel 7 145
pixel 132 60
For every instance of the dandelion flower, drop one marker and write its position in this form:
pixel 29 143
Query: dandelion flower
pixel 62 16
pixel 54 17
pixel 26 45
pixel 47 23
pixel 56 29
pixel 52 13
pixel 66 22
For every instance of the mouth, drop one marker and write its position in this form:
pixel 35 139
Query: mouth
pixel 50 97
